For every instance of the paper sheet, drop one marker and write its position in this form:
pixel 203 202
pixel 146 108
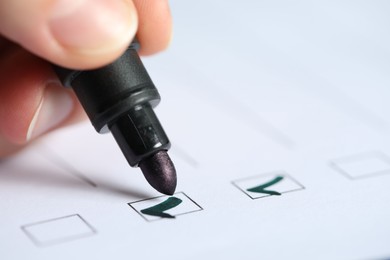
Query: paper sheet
pixel 279 119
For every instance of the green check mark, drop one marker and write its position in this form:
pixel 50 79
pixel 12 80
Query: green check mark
pixel 262 188
pixel 158 210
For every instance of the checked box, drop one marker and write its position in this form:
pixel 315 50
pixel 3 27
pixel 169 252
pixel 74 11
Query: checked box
pixel 165 207
pixel 362 165
pixel 269 184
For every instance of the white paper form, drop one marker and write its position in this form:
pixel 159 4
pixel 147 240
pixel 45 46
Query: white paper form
pixel 279 119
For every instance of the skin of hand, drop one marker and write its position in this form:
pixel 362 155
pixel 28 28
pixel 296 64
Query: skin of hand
pixel 78 34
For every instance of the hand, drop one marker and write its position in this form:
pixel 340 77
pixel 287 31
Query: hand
pixel 79 34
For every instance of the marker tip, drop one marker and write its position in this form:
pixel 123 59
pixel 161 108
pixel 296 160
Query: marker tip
pixel 160 172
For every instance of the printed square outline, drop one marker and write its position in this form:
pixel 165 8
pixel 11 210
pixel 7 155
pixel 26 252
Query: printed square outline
pixel 281 173
pixel 180 214
pixel 334 164
pixel 38 243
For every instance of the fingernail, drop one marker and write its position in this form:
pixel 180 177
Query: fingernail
pixel 92 25
pixel 55 106
pixel 170 39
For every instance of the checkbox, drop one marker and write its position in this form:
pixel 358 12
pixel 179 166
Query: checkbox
pixel 362 165
pixel 58 230
pixel 165 207
pixel 269 184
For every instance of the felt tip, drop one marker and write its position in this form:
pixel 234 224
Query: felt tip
pixel 160 172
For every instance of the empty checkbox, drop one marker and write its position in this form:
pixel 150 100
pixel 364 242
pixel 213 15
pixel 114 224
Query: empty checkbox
pixel 58 230
pixel 362 165
pixel 168 207
pixel 269 184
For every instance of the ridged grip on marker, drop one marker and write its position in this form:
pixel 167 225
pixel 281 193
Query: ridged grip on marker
pixel 111 91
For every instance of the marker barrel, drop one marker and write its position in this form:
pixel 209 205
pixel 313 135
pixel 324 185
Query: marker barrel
pixel 120 97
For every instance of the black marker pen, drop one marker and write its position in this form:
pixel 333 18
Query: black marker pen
pixel 120 98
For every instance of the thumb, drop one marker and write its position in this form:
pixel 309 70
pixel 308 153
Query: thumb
pixel 78 34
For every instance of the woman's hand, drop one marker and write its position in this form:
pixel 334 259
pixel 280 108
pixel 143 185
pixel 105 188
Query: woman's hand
pixel 79 34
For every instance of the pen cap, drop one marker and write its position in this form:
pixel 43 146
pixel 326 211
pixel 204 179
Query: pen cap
pixel 110 92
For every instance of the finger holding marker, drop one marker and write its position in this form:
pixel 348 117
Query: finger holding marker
pixel 31 100
pixel 72 33
pixel 154 25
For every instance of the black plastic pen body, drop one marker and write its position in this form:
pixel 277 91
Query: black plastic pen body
pixel 120 98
